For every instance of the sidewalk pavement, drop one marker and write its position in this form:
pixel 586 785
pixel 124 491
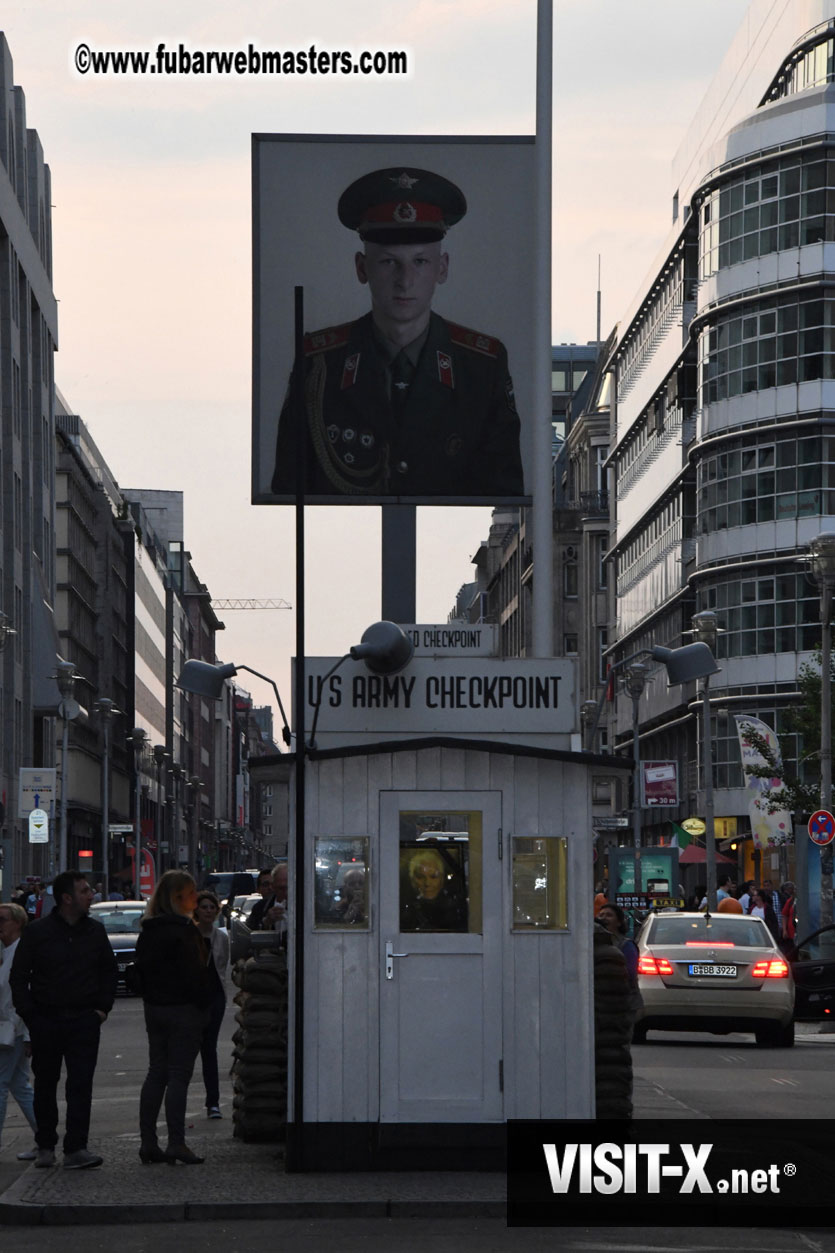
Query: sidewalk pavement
pixel 247 1181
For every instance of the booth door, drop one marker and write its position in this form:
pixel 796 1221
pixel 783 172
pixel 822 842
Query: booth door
pixel 440 952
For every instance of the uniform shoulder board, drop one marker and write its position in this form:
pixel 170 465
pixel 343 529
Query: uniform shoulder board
pixel 466 338
pixel 330 337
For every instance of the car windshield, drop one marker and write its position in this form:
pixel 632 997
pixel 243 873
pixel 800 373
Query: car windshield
pixel 737 932
pixel 123 922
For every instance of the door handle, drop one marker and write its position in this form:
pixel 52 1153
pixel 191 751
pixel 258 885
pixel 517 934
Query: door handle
pixel 390 956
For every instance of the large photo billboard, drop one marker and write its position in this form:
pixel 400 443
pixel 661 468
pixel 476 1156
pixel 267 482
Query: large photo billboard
pixel 416 259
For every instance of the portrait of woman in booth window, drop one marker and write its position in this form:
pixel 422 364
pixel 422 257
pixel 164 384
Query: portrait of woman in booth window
pixel 433 892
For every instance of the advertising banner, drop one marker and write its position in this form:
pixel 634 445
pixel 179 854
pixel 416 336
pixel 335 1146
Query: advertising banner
pixel 417 374
pixel 768 829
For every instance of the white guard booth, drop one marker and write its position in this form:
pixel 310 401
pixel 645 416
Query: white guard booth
pixel 447 915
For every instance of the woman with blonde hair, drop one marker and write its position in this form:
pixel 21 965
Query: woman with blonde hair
pixel 173 973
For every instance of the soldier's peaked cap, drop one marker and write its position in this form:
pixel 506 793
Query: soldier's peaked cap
pixel 401 205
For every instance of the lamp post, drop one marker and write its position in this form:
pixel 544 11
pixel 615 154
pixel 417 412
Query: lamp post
pixel 138 737
pixel 706 627
pixel 105 709
pixel 176 774
pixel 65 677
pixel 822 561
pixel 634 681
pixel 160 757
pixel 587 712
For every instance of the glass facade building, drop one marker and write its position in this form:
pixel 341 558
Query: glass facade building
pixel 723 449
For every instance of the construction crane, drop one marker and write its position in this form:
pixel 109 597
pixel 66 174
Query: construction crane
pixel 274 603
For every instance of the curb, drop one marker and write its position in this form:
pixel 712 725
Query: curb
pixel 20 1214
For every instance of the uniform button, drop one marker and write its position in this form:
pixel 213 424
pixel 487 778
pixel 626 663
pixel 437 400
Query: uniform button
pixel 402 467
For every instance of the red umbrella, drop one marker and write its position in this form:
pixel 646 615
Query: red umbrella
pixel 694 855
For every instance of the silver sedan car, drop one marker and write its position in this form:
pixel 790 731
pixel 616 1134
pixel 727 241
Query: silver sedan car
pixel 716 973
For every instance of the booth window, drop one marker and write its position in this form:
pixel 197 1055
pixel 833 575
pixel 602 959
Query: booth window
pixel 540 888
pixel 341 883
pixel 440 870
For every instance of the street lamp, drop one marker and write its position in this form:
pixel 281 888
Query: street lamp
pixel 587 712
pixel 706 627
pixel 138 738
pixel 6 630
pixel 160 756
pixel 822 562
pixel 634 681
pixel 65 677
pixel 204 678
pixel 195 783
pixel 384 647
pixel 105 708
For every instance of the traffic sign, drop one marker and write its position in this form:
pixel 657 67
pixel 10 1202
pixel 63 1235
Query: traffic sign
pixel 121 828
pixel 38 826
pixel 609 823
pixel 822 827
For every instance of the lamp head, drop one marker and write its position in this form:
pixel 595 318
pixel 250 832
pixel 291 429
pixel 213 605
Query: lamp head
pixel 201 678
pixel 691 661
pixel 385 648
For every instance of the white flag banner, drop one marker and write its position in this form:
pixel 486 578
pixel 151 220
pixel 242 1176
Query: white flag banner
pixel 768 829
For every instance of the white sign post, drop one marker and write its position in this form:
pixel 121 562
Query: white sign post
pixel 38 826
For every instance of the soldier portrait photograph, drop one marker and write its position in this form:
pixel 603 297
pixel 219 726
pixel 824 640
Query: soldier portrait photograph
pixel 402 398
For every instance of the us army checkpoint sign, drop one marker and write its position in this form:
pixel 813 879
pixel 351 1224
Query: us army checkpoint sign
pixel 472 697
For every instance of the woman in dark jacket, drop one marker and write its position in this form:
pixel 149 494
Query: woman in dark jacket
pixel 174 980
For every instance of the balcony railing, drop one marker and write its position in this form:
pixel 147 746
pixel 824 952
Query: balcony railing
pixel 594 503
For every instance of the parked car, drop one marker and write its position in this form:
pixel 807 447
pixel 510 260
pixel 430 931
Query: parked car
pixel 239 932
pixel 813 967
pixel 720 973
pixel 226 883
pixel 122 920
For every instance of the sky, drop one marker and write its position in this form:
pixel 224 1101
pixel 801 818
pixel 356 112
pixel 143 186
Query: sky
pixel 151 191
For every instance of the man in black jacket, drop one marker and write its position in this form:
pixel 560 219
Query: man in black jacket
pixel 63 983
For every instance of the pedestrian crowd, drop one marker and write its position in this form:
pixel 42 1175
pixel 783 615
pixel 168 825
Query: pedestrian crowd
pixel 58 982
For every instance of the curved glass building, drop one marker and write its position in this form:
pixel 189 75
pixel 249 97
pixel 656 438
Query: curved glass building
pixel 723 456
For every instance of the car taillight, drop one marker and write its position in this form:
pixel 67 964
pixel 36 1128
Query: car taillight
pixel 649 965
pixel 770 968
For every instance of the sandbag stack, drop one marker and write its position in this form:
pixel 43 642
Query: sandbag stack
pixel 259 1069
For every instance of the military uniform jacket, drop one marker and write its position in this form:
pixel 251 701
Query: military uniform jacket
pixel 456 434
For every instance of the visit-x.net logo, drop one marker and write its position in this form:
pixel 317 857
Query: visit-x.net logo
pixel 707 1171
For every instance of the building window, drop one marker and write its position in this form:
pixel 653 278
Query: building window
pixel 570 582
pixel 540 883
pixel 602 645
pixel 775 613
pixel 601 543
pixel 569 645
pixel 779 205
pixel 792 476
pixel 775 342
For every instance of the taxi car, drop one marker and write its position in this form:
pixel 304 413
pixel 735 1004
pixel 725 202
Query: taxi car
pixel 718 973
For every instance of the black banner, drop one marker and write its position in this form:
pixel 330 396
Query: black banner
pixel 671 1172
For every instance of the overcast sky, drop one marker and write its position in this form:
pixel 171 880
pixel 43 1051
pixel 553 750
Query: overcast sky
pixel 152 239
